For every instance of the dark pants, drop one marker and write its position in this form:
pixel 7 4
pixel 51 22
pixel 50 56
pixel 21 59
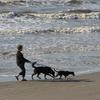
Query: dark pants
pixel 23 70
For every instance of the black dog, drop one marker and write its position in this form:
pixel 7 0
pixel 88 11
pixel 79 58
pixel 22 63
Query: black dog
pixel 42 69
pixel 64 73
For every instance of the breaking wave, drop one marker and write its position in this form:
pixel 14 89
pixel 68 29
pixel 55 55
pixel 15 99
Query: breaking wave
pixel 85 29
pixel 75 14
pixel 80 14
pixel 30 23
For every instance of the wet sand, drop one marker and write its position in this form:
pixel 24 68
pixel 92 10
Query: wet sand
pixel 84 87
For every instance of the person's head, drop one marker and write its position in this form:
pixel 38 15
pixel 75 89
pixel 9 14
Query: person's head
pixel 20 47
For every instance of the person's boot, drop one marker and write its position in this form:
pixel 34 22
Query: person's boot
pixel 24 79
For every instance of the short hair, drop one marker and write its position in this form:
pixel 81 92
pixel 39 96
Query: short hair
pixel 19 47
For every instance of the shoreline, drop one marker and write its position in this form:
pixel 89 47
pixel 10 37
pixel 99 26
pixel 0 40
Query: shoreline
pixel 82 87
pixel 11 78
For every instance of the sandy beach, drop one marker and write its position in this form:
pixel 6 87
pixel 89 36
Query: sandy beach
pixel 84 87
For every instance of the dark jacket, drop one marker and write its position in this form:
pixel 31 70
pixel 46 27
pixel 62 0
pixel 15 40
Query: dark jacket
pixel 20 60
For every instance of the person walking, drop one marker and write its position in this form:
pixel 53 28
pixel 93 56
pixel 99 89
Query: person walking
pixel 20 61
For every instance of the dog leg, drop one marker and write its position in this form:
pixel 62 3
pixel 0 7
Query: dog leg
pixel 38 75
pixel 60 77
pixel 50 75
pixel 45 76
pixel 33 75
pixel 65 77
pixel 56 75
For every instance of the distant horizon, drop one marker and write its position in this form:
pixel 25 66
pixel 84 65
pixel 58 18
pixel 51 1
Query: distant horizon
pixel 32 0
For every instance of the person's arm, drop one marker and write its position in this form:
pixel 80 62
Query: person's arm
pixel 22 59
pixel 26 60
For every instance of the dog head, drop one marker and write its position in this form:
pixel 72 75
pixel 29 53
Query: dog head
pixel 73 73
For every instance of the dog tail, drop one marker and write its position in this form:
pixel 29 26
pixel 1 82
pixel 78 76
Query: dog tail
pixel 33 64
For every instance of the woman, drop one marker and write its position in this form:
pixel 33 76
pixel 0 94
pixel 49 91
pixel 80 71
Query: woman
pixel 20 60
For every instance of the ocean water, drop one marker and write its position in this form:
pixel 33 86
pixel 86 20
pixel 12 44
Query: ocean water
pixel 62 34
